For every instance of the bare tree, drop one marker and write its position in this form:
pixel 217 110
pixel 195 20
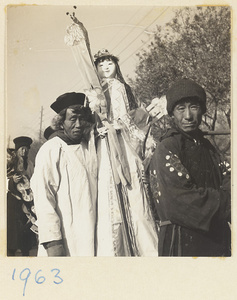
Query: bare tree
pixel 195 44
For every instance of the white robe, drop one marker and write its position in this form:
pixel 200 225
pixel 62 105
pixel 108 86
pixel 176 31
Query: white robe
pixel 64 184
pixel 111 237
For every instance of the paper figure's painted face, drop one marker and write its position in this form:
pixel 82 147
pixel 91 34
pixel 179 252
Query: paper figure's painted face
pixel 106 68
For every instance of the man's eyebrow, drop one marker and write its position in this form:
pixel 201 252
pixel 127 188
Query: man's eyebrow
pixel 190 102
pixel 77 112
pixel 195 103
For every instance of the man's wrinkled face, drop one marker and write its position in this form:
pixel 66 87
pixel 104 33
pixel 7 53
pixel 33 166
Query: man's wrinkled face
pixel 75 123
pixel 106 69
pixel 187 115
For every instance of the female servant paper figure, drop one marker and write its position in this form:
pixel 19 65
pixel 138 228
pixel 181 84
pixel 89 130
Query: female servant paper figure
pixel 125 224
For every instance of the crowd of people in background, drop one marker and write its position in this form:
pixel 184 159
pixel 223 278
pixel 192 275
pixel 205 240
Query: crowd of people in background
pixel 102 186
pixel 21 217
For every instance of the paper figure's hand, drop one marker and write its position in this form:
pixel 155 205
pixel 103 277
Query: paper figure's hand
pixel 157 108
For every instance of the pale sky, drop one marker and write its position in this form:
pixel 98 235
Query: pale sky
pixel 40 67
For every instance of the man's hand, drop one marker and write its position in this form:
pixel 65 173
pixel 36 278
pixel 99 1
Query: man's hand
pixel 55 248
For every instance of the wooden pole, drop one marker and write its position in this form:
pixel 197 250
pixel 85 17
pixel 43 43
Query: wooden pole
pixel 217 132
pixel 41 121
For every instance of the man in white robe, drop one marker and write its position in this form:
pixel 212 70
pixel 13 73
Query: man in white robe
pixel 64 182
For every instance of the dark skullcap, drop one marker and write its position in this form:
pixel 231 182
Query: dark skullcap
pixel 185 88
pixel 21 141
pixel 66 100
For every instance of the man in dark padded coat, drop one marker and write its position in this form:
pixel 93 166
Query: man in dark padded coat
pixel 190 183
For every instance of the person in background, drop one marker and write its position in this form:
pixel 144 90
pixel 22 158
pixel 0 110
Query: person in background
pixel 21 218
pixel 64 182
pixel 48 132
pixel 11 156
pixel 189 182
pixel 22 147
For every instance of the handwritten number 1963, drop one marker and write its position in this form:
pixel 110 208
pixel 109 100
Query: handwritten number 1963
pixel 25 274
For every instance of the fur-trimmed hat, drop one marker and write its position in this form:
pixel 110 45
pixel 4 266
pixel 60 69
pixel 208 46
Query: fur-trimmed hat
pixel 21 141
pixel 185 88
pixel 66 100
